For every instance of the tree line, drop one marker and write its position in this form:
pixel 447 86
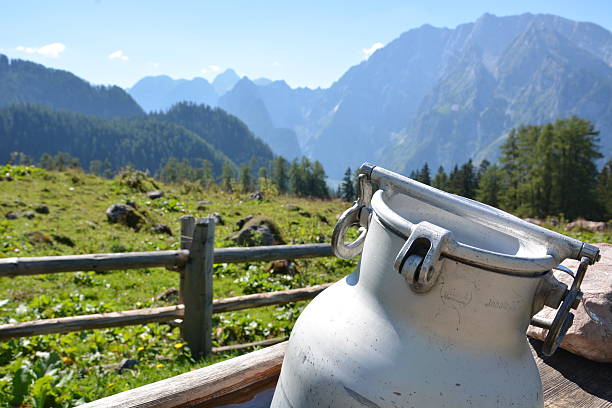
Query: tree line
pixel 301 177
pixel 546 170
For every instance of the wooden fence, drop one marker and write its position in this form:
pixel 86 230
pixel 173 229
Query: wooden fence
pixel 194 262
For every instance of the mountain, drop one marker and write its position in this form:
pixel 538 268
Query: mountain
pixel 244 101
pixel 225 81
pixel 442 96
pixel 223 131
pixel 157 93
pixel 28 82
pixel 262 81
pixel 535 75
pixel 144 143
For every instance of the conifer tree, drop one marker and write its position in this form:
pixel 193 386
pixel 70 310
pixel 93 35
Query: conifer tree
pixel 280 174
pixel 440 181
pixel 244 179
pixel 347 188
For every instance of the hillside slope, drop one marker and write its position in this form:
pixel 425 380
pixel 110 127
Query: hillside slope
pixel 144 143
pixel 28 82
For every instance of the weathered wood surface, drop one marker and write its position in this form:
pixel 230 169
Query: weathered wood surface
pixel 158 314
pixel 10 267
pixel 266 299
pixel 271 253
pixel 198 289
pixel 202 385
pixel 187 227
pixel 570 381
pixel 93 321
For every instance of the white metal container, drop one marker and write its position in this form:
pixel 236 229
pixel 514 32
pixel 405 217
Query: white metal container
pixel 436 313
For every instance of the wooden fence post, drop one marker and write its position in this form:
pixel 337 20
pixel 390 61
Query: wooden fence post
pixel 198 288
pixel 187 226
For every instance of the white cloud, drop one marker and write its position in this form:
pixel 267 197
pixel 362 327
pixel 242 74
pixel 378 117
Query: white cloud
pixel 52 50
pixel 369 51
pixel 211 69
pixel 118 55
pixel 276 64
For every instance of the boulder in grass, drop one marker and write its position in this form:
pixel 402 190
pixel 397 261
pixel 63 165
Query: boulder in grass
pixel 124 214
pixel 258 231
pixel 217 218
pixel 584 225
pixel 162 229
pixel 240 223
pixel 42 209
pixel 154 195
pixel 12 216
pixel 203 204
pixel 257 196
pixel 591 334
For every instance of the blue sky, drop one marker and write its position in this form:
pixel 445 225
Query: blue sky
pixel 308 43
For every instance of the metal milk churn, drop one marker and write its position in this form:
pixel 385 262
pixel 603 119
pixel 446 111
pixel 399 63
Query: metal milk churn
pixel 436 313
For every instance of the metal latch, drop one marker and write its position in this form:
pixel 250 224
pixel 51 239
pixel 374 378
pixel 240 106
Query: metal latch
pixel 419 259
pixel 557 327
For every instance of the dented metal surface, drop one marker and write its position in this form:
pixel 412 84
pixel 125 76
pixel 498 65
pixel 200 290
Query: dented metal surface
pixel 436 313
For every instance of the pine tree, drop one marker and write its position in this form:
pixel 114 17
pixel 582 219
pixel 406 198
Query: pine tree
pixel 280 174
pixel 604 190
pixel 227 176
pixel 440 181
pixel 347 188
pixel 424 176
pixel 244 179
pixel 489 186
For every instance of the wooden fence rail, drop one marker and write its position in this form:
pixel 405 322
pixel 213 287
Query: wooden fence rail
pixel 193 261
pixel 19 266
pixel 152 315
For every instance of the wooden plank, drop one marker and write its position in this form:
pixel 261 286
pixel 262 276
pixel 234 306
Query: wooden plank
pixel 267 299
pixel 158 314
pixel 202 385
pixel 87 322
pixel 187 227
pixel 570 381
pixel 11 267
pixel 271 253
pixel 261 343
pixel 197 320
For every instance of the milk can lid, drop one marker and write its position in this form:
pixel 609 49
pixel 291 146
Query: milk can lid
pixel 480 234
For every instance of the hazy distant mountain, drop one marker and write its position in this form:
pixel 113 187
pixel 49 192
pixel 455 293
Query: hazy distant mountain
pixel 244 101
pixel 262 81
pixel 225 81
pixel 28 82
pixel 161 92
pixel 442 95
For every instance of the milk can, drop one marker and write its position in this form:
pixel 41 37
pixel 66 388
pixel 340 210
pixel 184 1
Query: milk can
pixel 436 313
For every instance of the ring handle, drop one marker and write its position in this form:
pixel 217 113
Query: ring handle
pixel 348 219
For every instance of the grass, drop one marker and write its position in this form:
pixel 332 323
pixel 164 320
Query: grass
pixel 76 224
pixel 65 370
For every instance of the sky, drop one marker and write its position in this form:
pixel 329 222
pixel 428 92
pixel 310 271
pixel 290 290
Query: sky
pixel 307 43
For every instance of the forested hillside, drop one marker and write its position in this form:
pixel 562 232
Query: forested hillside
pixel 28 82
pixel 225 132
pixel 144 143
pixel 544 171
